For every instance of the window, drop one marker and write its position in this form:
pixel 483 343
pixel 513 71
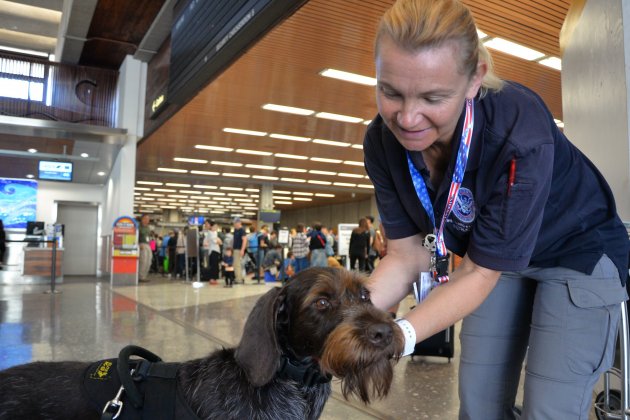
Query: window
pixel 20 79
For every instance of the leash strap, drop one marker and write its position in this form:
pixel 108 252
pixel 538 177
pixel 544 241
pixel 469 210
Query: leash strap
pixel 440 265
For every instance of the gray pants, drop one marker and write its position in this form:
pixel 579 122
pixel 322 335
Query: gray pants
pixel 564 320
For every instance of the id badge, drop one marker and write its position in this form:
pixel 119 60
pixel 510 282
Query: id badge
pixel 423 286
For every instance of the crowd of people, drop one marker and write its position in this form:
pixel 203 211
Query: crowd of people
pixel 233 253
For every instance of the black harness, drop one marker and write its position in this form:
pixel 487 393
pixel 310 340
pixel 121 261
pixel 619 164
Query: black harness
pixel 143 388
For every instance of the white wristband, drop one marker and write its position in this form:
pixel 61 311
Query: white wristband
pixel 410 335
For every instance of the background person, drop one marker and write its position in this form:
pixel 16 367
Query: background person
pixel 146 255
pixel 239 245
pixel 544 253
pixel 359 245
pixel 299 247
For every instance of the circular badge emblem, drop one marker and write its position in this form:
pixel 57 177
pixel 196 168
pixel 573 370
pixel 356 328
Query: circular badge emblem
pixel 464 209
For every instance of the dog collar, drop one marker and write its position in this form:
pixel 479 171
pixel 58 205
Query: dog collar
pixel 305 371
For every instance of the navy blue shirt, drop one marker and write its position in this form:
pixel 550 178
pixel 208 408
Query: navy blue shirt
pixel 559 212
pixel 239 234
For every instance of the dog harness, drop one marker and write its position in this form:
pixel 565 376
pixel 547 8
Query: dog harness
pixel 142 388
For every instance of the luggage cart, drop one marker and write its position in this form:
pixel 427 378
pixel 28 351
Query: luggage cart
pixel 613 404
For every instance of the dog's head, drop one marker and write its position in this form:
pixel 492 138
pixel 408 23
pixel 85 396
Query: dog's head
pixel 325 314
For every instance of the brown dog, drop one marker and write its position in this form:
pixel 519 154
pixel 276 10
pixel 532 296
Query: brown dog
pixel 321 323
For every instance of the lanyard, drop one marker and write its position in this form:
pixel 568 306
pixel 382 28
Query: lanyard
pixel 458 177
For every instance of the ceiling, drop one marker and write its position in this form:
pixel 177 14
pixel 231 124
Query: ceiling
pixel 282 68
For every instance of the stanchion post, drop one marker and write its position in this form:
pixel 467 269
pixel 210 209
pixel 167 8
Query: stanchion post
pixel 53 270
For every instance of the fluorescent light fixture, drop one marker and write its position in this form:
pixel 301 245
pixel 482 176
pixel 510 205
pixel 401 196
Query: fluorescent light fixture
pixel 288 109
pixel 308 194
pixel 367 122
pixel 280 198
pixel 285 169
pixel 219 162
pixel 24 51
pixel 513 48
pixel 169 207
pixel 365 186
pixel 31 150
pixel 208 173
pixel 302 199
pixel 560 124
pixel 164 190
pixel 353 163
pixel 222 199
pixel 338 117
pixel 287 156
pixel 287 137
pixel 214 193
pixel 318 172
pixel 166 200
pixel 265 167
pixel 245 132
pixel 205 187
pixel 553 62
pixel 142 189
pixel 243 200
pixel 348 77
pixel 153 195
pixel 317 182
pixel 346 175
pixel 293 179
pixel 148 183
pixel 190 192
pixel 265 178
pixel 100 173
pixel 215 148
pixel 231 188
pixel 326 160
pixel 252 190
pixel 481 34
pixel 253 152
pixel 234 175
pixel 280 192
pixel 344 184
pixel 324 195
pixel 237 195
pixel 286 203
pixel 175 184
pixel 178 159
pixel 85 155
pixel 357 146
pixel 179 171
pixel 177 196
pixel 331 142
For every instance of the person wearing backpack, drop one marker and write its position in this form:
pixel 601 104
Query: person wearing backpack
pixel 317 246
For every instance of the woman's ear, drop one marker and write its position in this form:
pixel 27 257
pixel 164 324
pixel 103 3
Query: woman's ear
pixel 476 80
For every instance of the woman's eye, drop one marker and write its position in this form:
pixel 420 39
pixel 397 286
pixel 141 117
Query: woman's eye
pixel 322 303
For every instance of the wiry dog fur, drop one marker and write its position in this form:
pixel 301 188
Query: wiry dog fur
pixel 322 313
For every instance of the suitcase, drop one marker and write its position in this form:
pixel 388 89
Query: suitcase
pixel 441 344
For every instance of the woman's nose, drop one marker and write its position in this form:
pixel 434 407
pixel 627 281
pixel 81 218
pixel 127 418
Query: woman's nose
pixel 409 115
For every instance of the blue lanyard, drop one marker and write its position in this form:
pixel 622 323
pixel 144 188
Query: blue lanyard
pixel 458 177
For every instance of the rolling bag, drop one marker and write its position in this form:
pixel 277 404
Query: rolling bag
pixel 441 344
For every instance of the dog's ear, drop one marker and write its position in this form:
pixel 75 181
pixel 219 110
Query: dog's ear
pixel 258 353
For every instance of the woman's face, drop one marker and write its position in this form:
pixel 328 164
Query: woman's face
pixel 420 94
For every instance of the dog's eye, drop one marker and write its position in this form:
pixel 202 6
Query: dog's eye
pixel 365 295
pixel 322 304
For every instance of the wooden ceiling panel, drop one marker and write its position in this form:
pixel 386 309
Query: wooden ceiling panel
pixel 282 68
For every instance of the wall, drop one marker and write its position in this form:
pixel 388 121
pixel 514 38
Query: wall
pixel 330 215
pixel 50 193
pixel 595 92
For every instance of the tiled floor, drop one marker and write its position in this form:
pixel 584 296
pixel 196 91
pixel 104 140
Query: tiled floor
pixel 89 321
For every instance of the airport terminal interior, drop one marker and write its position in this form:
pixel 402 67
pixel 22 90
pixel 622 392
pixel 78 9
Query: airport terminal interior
pixel 252 109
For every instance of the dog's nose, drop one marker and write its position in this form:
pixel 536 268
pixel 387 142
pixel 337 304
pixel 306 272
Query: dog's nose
pixel 380 334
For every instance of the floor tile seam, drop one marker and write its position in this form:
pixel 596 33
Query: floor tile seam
pixel 372 412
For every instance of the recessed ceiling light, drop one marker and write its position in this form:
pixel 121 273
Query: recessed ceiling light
pixel 353 162
pixel 317 182
pixel 287 137
pixel 318 172
pixel 287 156
pixel 32 150
pixel 163 190
pixel 141 189
pixel 179 171
pixel 233 175
pixel 481 34
pixel 231 188
pixel 285 203
pixel 346 175
pixel 214 193
pixel 205 187
pixel 253 152
pixel 344 184
pixel 251 189
pixel 245 132
pixel 288 109
pixel 85 155
pixel 237 195
pixel 326 160
pixel 179 159
pixel 285 169
pixel 324 195
pixel 280 192
pixel 265 167
pixel 175 184
pixel 357 146
pixel 365 186
pixel 215 148
pixel 348 77
pixel 513 48
pixel 293 179
pixel 338 117
pixel 553 62
pixel 331 143
pixel 208 173
pixel 302 193
pixel 30 176
pixel 101 173
pixel 219 162
pixel 367 122
pixel 148 183
pixel 302 199
pixel 265 178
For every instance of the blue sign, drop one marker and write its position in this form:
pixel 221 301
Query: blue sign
pixel 55 171
pixel 18 202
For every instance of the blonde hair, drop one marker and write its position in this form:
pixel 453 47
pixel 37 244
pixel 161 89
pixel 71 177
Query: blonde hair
pixel 418 24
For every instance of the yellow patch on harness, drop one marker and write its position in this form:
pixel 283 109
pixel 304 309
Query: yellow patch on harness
pixel 102 371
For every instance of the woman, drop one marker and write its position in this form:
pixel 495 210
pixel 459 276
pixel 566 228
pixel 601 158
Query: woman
pixel 359 245
pixel 212 243
pixel 317 246
pixel 544 252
